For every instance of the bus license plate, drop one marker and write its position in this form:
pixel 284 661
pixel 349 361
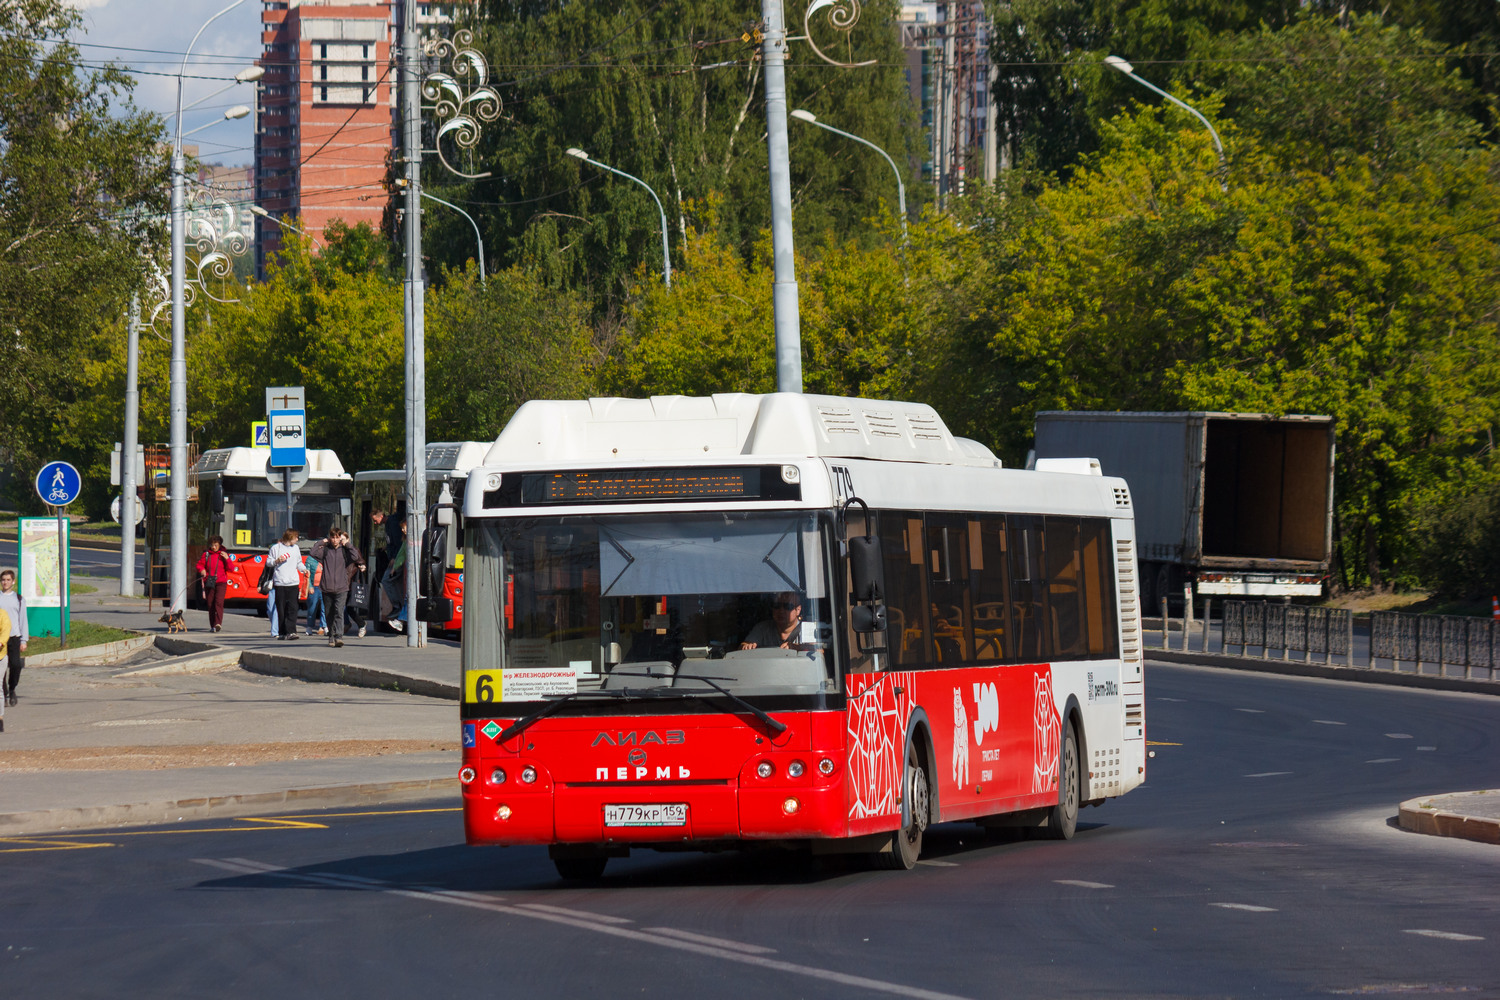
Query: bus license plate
pixel 669 814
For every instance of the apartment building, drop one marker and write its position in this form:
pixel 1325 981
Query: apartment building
pixel 324 122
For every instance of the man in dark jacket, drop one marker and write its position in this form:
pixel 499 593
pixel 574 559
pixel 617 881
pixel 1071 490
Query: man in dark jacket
pixel 340 562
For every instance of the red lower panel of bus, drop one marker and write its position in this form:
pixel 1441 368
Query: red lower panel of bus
pixel 453 589
pixel 991 745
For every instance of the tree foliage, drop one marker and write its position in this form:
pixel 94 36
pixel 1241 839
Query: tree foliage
pixel 673 95
pixel 80 173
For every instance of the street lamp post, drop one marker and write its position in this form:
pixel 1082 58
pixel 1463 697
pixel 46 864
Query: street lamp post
pixel 1115 62
pixel 177 374
pixel 466 215
pixel 666 257
pixel 811 119
pixel 262 213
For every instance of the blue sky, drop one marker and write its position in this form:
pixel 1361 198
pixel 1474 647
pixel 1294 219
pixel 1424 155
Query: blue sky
pixel 151 36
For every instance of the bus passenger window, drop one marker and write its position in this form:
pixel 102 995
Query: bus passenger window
pixel 988 567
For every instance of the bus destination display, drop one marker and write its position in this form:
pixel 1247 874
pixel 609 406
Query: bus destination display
pixel 680 485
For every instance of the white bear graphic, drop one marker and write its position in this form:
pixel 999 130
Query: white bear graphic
pixel 960 740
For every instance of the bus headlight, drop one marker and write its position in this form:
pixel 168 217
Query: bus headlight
pixel 765 769
pixel 528 774
pixel 497 776
pixel 466 775
pixel 503 812
pixel 795 769
pixel 825 766
pixel 790 806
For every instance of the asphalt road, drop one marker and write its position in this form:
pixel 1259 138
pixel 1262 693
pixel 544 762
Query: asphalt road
pixel 1260 859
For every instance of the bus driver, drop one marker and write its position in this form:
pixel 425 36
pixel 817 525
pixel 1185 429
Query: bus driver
pixel 782 628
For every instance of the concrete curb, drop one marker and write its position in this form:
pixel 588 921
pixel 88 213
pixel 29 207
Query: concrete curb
pixel 281 665
pixel 92 655
pixel 1334 671
pixel 195 663
pixel 1429 815
pixel 54 821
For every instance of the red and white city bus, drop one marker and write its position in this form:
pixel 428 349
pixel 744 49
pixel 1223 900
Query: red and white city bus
pixel 970 650
pixel 448 464
pixel 238 501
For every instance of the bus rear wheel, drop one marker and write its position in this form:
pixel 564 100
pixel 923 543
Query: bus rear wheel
pixel 906 843
pixel 1062 819
pixel 581 869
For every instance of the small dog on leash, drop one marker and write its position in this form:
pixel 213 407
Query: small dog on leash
pixel 173 621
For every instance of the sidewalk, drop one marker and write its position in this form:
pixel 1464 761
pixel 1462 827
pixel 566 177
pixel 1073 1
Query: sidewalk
pixel 186 732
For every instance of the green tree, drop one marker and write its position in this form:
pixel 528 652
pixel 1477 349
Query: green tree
pixel 81 172
pixel 674 96
pixel 493 346
pixel 312 323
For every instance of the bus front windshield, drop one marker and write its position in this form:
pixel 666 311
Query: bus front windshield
pixel 649 602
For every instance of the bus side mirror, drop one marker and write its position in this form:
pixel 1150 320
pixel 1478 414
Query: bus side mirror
pixel 867 618
pixel 216 498
pixel 866 570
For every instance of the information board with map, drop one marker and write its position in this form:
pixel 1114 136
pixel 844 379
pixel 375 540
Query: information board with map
pixel 41 580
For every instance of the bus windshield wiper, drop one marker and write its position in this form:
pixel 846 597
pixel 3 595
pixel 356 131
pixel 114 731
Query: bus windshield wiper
pixel 554 702
pixel 777 728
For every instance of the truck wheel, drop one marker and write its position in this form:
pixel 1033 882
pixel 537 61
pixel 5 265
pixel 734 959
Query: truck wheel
pixel 1062 819
pixel 906 843
pixel 581 869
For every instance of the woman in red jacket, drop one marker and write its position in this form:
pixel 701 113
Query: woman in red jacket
pixel 213 570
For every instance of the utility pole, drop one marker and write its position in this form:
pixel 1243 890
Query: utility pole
pixel 416 365
pixel 128 484
pixel 784 294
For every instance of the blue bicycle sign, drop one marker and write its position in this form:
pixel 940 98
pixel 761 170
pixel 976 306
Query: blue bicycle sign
pixel 58 484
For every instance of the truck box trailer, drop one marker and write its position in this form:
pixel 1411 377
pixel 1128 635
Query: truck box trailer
pixel 1235 504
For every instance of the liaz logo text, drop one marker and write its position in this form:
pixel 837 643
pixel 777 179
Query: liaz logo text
pixel 632 738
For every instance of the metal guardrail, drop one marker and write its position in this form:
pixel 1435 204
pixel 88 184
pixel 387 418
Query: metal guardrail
pixel 1435 645
pixel 1435 640
pixel 1289 628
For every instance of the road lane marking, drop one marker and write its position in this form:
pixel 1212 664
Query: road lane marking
pixel 1267 774
pixel 1159 698
pixel 1247 907
pixel 1252 711
pixel 581 914
pixel 749 949
pixel 1426 748
pixel 493 905
pixel 1082 884
pixel 1383 760
pixel 1329 722
pixel 1398 736
pixel 32 844
pixel 1445 935
pixel 1160 743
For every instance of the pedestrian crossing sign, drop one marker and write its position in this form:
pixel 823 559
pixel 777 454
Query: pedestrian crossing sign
pixel 260 434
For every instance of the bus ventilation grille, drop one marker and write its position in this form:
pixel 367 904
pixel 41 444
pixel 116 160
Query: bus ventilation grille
pixel 1130 612
pixel 1122 496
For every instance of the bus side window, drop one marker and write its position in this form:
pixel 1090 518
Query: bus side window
pixel 905 585
pixel 1065 597
pixel 1028 597
pixel 989 566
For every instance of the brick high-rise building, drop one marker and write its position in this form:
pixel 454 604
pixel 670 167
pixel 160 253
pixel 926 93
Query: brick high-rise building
pixel 324 118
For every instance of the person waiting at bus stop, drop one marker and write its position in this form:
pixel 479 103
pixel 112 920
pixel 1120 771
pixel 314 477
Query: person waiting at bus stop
pixel 286 557
pixel 214 566
pixel 340 562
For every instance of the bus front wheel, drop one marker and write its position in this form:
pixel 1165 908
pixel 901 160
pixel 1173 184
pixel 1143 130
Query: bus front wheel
pixel 906 843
